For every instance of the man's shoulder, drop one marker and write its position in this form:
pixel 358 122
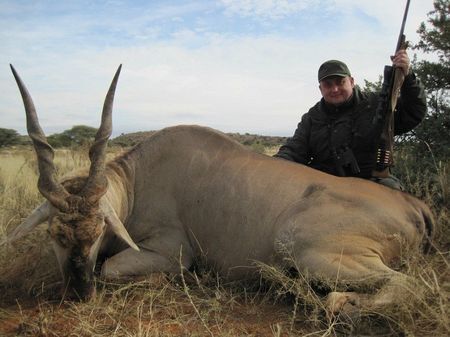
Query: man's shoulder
pixel 366 97
pixel 315 109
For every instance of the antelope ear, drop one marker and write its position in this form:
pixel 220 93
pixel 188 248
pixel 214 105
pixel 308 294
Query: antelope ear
pixel 116 225
pixel 38 216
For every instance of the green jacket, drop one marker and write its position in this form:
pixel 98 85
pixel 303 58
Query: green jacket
pixel 327 130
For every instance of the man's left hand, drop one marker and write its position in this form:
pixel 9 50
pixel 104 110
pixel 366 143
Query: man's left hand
pixel 401 60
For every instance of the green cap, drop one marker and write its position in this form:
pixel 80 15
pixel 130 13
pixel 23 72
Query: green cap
pixel 333 68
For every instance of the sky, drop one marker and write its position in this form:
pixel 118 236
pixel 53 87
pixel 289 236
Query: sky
pixel 247 66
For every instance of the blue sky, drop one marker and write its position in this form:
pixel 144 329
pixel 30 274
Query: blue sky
pixel 237 66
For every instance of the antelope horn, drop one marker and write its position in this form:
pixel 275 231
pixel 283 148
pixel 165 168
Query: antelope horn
pixel 96 183
pixel 116 225
pixel 49 187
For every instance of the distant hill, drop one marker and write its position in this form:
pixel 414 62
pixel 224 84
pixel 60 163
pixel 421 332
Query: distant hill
pixel 258 143
pixel 131 139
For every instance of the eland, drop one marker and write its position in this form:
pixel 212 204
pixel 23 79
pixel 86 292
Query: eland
pixel 190 191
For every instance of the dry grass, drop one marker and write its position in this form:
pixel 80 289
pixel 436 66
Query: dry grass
pixel 186 305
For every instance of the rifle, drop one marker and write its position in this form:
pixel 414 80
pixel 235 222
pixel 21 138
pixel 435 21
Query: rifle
pixel 384 116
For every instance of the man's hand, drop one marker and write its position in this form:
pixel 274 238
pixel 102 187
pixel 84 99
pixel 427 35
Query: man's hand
pixel 401 60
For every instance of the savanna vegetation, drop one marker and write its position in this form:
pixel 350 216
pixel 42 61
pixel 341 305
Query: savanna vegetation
pixel 198 303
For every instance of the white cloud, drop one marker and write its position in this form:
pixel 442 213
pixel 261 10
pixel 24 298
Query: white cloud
pixel 389 14
pixel 273 9
pixel 233 82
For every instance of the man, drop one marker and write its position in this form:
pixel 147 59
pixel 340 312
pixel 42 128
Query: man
pixel 338 136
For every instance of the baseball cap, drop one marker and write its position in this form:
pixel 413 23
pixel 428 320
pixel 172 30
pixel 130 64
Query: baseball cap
pixel 333 68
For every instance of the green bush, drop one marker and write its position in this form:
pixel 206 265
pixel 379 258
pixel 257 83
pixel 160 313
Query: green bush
pixel 9 137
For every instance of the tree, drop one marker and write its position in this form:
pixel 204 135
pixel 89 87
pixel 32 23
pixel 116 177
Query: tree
pixel 78 135
pixel 9 137
pixel 373 86
pixel 434 131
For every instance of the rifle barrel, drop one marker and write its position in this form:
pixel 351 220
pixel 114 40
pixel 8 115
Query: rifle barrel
pixel 401 36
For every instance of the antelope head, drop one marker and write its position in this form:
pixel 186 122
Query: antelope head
pixel 78 214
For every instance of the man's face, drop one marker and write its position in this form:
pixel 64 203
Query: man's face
pixel 336 90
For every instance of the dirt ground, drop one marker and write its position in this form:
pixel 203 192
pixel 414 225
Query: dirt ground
pixel 165 310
